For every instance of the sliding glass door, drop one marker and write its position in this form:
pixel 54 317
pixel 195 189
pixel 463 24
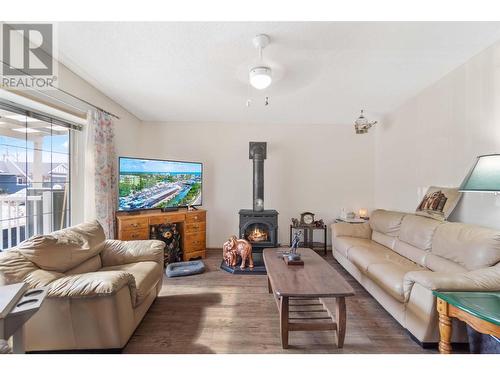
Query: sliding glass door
pixel 34 175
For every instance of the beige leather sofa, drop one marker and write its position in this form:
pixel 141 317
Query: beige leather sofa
pixel 99 290
pixel 401 258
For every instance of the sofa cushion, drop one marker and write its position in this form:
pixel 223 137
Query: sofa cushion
pixel 468 245
pixel 386 222
pixel 363 256
pixel 344 243
pixel 90 265
pixel 390 277
pixel 145 275
pixel 439 264
pixel 117 252
pixel 384 239
pixel 418 231
pixel 65 249
pixel 14 267
pixel 92 284
pixel 359 230
pixel 411 252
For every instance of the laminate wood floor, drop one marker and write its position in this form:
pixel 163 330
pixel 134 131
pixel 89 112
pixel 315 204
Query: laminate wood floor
pixel 217 312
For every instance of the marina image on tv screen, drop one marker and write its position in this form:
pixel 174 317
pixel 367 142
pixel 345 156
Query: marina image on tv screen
pixel 147 184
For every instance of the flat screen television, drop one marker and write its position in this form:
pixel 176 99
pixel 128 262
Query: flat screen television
pixel 152 184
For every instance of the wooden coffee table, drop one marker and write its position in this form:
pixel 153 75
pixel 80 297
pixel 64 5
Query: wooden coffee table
pixel 302 293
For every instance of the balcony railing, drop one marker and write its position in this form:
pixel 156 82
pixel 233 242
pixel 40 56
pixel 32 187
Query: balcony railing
pixel 22 217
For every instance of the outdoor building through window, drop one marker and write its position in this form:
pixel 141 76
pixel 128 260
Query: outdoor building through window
pixel 34 175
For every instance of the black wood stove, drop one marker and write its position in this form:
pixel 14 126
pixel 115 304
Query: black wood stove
pixel 258 226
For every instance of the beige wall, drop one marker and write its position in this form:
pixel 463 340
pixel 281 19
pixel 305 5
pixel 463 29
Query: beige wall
pixel 434 138
pixel 430 140
pixel 320 168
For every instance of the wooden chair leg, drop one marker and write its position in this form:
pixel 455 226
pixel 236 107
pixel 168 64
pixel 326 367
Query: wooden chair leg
pixel 269 288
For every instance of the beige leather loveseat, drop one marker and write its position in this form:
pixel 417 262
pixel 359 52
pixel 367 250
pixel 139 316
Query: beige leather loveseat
pixel 99 290
pixel 401 258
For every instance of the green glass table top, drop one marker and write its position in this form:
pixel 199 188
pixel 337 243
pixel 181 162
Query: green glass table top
pixel 483 305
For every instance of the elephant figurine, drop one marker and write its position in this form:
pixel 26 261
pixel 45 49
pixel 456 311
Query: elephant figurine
pixel 235 247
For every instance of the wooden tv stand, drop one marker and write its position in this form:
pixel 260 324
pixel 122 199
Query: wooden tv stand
pixel 192 227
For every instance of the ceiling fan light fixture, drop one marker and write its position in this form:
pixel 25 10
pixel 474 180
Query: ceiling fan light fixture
pixel 260 77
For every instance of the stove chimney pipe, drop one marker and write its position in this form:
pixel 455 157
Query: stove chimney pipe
pixel 258 153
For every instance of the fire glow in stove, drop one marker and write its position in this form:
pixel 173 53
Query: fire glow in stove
pixel 260 228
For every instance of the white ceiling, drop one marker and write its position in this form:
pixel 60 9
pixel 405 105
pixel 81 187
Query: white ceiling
pixel 324 72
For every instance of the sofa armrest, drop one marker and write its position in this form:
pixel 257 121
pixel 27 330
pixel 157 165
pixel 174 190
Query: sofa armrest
pixel 352 230
pixel 93 284
pixel 481 280
pixel 117 252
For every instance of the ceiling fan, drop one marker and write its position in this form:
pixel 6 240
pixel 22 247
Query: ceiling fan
pixel 260 75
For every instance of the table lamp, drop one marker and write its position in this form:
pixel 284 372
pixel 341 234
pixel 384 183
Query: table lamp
pixel 484 175
pixel 363 213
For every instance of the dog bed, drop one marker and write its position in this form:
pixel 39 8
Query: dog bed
pixel 185 268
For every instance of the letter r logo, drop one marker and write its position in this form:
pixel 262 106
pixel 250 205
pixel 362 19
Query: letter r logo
pixel 27 49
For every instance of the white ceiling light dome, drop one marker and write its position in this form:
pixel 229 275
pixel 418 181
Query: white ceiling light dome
pixel 260 77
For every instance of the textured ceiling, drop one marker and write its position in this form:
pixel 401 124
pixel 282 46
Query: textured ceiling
pixel 324 72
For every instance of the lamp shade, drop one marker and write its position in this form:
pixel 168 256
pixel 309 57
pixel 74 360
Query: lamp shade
pixel 363 213
pixel 484 175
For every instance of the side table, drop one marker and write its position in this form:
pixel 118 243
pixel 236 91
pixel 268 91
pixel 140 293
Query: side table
pixel 308 231
pixel 480 310
pixel 17 306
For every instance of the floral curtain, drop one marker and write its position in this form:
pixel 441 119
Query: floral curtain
pixel 101 137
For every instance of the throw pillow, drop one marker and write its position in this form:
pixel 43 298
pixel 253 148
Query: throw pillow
pixel 439 202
